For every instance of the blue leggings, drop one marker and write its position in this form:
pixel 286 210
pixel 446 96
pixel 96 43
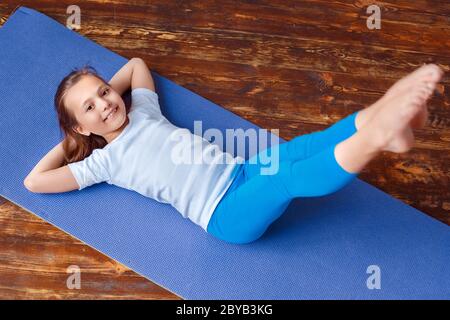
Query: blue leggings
pixel 307 168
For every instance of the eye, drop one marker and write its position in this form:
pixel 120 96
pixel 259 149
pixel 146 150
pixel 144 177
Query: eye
pixel 88 107
pixel 105 91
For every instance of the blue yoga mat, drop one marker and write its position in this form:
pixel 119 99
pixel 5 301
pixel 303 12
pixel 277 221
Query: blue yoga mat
pixel 321 248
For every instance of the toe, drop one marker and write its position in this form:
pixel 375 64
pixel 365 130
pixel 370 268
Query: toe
pixel 427 89
pixel 434 73
pixel 428 72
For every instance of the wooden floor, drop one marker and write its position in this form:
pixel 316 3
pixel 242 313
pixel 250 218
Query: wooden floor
pixel 298 66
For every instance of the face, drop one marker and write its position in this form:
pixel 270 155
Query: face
pixel 91 101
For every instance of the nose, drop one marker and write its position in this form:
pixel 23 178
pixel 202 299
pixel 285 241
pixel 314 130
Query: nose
pixel 108 105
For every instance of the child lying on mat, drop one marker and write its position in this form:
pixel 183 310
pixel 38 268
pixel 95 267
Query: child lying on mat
pixel 227 197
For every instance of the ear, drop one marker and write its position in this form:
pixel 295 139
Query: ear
pixel 79 130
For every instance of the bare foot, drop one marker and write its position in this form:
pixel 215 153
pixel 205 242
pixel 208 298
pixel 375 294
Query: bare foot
pixel 429 74
pixel 390 125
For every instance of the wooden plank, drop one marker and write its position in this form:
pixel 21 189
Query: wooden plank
pixel 404 27
pixel 35 257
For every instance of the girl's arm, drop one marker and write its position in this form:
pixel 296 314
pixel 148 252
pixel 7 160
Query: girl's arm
pixel 134 73
pixel 48 176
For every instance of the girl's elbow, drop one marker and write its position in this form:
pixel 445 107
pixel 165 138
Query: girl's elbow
pixel 134 59
pixel 29 184
pixel 141 61
pixel 32 185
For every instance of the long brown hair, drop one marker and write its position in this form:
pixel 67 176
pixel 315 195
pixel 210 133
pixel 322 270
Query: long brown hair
pixel 76 146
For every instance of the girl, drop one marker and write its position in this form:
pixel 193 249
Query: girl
pixel 229 199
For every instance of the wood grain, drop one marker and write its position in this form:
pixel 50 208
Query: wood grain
pixel 296 66
pixel 35 257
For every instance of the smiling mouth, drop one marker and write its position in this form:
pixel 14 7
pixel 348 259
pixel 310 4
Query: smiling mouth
pixel 111 114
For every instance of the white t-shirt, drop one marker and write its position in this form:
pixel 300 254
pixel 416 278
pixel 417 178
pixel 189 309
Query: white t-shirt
pixel 147 157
